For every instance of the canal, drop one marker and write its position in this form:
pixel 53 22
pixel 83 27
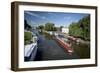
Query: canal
pixel 49 49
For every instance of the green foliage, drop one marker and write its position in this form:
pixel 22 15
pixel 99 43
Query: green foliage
pixel 75 30
pixel 81 28
pixel 49 27
pixel 27 37
pixel 41 27
pixel 54 29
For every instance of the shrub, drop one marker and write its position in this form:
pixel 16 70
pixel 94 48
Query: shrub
pixel 27 37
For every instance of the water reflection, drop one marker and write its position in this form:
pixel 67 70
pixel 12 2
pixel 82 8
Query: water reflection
pixel 50 49
pixel 81 49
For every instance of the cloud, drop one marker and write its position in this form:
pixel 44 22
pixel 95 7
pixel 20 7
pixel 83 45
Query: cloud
pixel 67 18
pixel 36 15
pixel 53 14
pixel 33 22
pixel 32 14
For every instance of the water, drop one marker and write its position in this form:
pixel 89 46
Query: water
pixel 50 49
pixel 82 50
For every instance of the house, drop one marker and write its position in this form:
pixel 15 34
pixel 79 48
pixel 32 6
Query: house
pixel 65 30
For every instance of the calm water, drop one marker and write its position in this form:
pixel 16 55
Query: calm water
pixel 50 49
pixel 83 50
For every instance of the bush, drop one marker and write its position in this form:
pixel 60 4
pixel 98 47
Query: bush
pixel 27 37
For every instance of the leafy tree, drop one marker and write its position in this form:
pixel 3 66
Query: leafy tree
pixel 26 25
pixel 86 27
pixel 54 29
pixel 41 27
pixel 75 30
pixel 61 28
pixel 49 27
pixel 81 28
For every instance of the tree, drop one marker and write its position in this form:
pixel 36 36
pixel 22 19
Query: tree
pixel 75 30
pixel 41 27
pixel 81 28
pixel 61 28
pixel 26 25
pixel 54 29
pixel 86 27
pixel 49 27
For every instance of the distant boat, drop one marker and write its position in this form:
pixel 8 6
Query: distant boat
pixel 72 38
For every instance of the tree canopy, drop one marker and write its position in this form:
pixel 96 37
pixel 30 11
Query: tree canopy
pixel 81 28
pixel 50 27
pixel 41 27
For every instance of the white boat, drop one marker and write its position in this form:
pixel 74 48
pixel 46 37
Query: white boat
pixel 30 51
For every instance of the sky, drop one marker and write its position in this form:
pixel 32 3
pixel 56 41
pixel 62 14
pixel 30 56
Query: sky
pixel 35 18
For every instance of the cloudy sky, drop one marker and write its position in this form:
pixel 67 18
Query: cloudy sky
pixel 35 18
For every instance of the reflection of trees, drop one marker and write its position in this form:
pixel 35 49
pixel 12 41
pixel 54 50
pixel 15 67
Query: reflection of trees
pixel 81 28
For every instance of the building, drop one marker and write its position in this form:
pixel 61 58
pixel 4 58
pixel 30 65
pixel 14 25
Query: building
pixel 65 30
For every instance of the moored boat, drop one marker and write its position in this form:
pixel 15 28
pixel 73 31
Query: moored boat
pixel 64 42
